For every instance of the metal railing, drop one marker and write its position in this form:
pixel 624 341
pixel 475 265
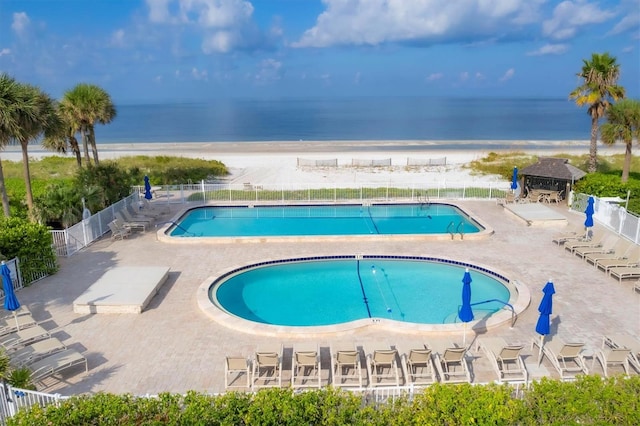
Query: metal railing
pixel 611 215
pixel 13 399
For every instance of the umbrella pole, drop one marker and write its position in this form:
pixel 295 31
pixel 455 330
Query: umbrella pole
pixel 540 351
pixel 15 316
pixel 464 336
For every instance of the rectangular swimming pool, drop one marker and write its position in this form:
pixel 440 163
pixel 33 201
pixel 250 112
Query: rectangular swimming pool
pixel 322 220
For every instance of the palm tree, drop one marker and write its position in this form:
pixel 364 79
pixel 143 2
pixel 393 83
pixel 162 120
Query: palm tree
pixel 599 86
pixel 35 114
pixel 8 124
pixel 86 105
pixel 64 138
pixel 623 124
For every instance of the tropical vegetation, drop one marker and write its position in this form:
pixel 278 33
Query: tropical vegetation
pixel 599 88
pixel 623 124
pixel 589 400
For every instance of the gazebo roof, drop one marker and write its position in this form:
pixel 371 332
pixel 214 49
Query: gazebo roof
pixel 556 168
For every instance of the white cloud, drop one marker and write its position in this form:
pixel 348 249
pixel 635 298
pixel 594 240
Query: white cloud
pixel 508 75
pixel 219 42
pixel 372 22
pixel 627 49
pixel 630 11
pixel 118 38
pixel 199 75
pixel 479 76
pixel 549 49
pixel 570 16
pixel 5 51
pixel 20 23
pixel 270 70
pixel 435 76
pixel 464 76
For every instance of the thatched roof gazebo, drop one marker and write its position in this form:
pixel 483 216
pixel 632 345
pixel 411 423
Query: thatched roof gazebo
pixel 549 173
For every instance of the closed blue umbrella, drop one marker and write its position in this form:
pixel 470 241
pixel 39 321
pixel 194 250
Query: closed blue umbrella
pixel 147 188
pixel 10 300
pixel 589 211
pixel 543 326
pixel 514 180
pixel 466 313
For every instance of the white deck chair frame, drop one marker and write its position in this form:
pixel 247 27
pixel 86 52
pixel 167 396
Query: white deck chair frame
pixel 346 370
pixel 418 366
pixel 267 368
pixel 452 365
pixel 506 359
pixel 305 367
pixel 234 368
pixel 383 367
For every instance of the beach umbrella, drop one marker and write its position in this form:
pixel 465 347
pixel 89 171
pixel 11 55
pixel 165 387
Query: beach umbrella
pixel 589 211
pixel 10 300
pixel 147 188
pixel 543 326
pixel 466 313
pixel 514 180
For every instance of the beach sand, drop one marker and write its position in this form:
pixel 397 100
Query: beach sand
pixel 276 163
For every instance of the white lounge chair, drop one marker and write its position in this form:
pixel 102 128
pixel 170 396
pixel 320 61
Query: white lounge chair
pixel 608 246
pixel 609 357
pixel 628 342
pixel 267 368
pixel 234 368
pixel 305 367
pixel 24 337
pixel 622 253
pixel 506 359
pixel 575 234
pixel 346 370
pixel 565 357
pixel 56 363
pixel 118 232
pixel 452 365
pixel 383 368
pixel 122 221
pixel 19 322
pixel 418 366
pixel 624 272
pixel 595 241
pixel 36 351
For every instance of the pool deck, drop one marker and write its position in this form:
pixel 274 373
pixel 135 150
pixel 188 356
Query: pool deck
pixel 174 346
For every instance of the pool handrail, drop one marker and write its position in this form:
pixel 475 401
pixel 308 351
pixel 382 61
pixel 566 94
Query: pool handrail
pixel 514 317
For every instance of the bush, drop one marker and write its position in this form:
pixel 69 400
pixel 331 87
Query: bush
pixel 610 185
pixel 30 242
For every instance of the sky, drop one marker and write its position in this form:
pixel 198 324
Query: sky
pixel 196 50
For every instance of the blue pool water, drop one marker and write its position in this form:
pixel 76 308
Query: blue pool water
pixel 333 290
pixel 323 220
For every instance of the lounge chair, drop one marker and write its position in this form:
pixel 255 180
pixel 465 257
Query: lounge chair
pixel 608 246
pixel 383 368
pixel 452 365
pixel 636 286
pixel 305 367
pixel 131 214
pixel 24 337
pixel 267 368
pixel 628 342
pixel 345 366
pixel 566 357
pixel 36 351
pixel 118 232
pixel 148 210
pixel 625 272
pixel 22 310
pixel 55 363
pixel 629 259
pixel 623 249
pixel 575 234
pixel 19 322
pixel 234 368
pixel 418 366
pixel 123 222
pixel 595 241
pixel 609 357
pixel 506 359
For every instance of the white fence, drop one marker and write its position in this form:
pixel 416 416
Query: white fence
pixel 13 399
pixel 16 278
pixel 611 215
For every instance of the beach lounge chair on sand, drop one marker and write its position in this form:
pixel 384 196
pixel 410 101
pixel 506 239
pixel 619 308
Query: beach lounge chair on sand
pixel 451 364
pixel 55 363
pixel 628 342
pixel 234 368
pixel 267 367
pixel 596 241
pixel 566 357
pixel 24 337
pixel 383 368
pixel 36 351
pixel 346 370
pixel 418 367
pixel 305 366
pixel 506 359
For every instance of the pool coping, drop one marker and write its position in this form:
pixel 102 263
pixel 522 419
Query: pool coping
pixel 161 234
pixel 520 299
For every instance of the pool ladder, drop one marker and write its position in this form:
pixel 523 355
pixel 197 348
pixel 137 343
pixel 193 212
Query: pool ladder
pixel 452 229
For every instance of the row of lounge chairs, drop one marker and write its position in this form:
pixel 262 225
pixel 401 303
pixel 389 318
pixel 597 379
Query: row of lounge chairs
pixel 128 220
pixel 615 255
pixel 30 346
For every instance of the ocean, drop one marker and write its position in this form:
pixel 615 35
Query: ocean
pixel 350 119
